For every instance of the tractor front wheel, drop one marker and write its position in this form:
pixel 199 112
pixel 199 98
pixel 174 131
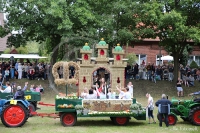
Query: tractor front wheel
pixel 194 116
pixel 14 115
pixel 172 119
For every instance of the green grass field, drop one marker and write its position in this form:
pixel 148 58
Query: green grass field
pixel 104 124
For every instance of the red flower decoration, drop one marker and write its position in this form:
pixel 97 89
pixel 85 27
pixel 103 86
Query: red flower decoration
pixel 84 79
pixel 77 84
pixel 102 52
pixel 85 57
pixel 118 57
pixel 118 80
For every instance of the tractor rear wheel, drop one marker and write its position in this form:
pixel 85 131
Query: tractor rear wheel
pixel 68 119
pixel 120 121
pixel 194 116
pixel 14 115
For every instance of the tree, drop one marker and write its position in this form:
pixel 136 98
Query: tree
pixel 46 21
pixel 194 65
pixel 175 22
pixel 132 58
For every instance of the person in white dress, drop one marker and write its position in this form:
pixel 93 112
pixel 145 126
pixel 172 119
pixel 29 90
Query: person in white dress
pixel 19 71
pixel 127 94
pixel 130 87
pixel 84 93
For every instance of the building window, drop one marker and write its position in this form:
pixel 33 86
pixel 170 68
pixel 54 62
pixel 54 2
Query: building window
pixel 141 59
pixel 194 58
pixel 190 59
pixel 158 61
pixel 197 59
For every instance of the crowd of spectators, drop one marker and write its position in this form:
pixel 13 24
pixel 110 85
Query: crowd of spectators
pixel 161 72
pixel 19 70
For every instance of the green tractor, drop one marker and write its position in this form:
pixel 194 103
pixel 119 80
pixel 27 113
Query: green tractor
pixel 188 110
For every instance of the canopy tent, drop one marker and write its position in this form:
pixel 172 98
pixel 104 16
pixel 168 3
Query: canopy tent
pixel 167 57
pixel 21 56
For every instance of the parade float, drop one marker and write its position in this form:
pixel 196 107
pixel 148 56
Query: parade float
pixel 70 106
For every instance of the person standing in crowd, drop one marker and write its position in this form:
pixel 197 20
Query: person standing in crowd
pixel 12 71
pixel 170 74
pixel 150 108
pixel 182 71
pixel 19 71
pixel 141 71
pixel 148 67
pixel 25 67
pixel 163 109
pixel 135 71
pixel 187 68
pixel 179 88
pixel 7 72
pixel 198 74
pixel 127 69
pixel 191 80
pixel 8 88
pixel 31 74
pixel 16 65
pixel 185 80
pixel 159 73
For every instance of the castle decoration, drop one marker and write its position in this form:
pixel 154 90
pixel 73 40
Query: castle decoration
pixel 102 52
pixel 85 68
pixel 114 66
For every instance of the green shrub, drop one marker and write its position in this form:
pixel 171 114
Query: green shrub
pixel 193 65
